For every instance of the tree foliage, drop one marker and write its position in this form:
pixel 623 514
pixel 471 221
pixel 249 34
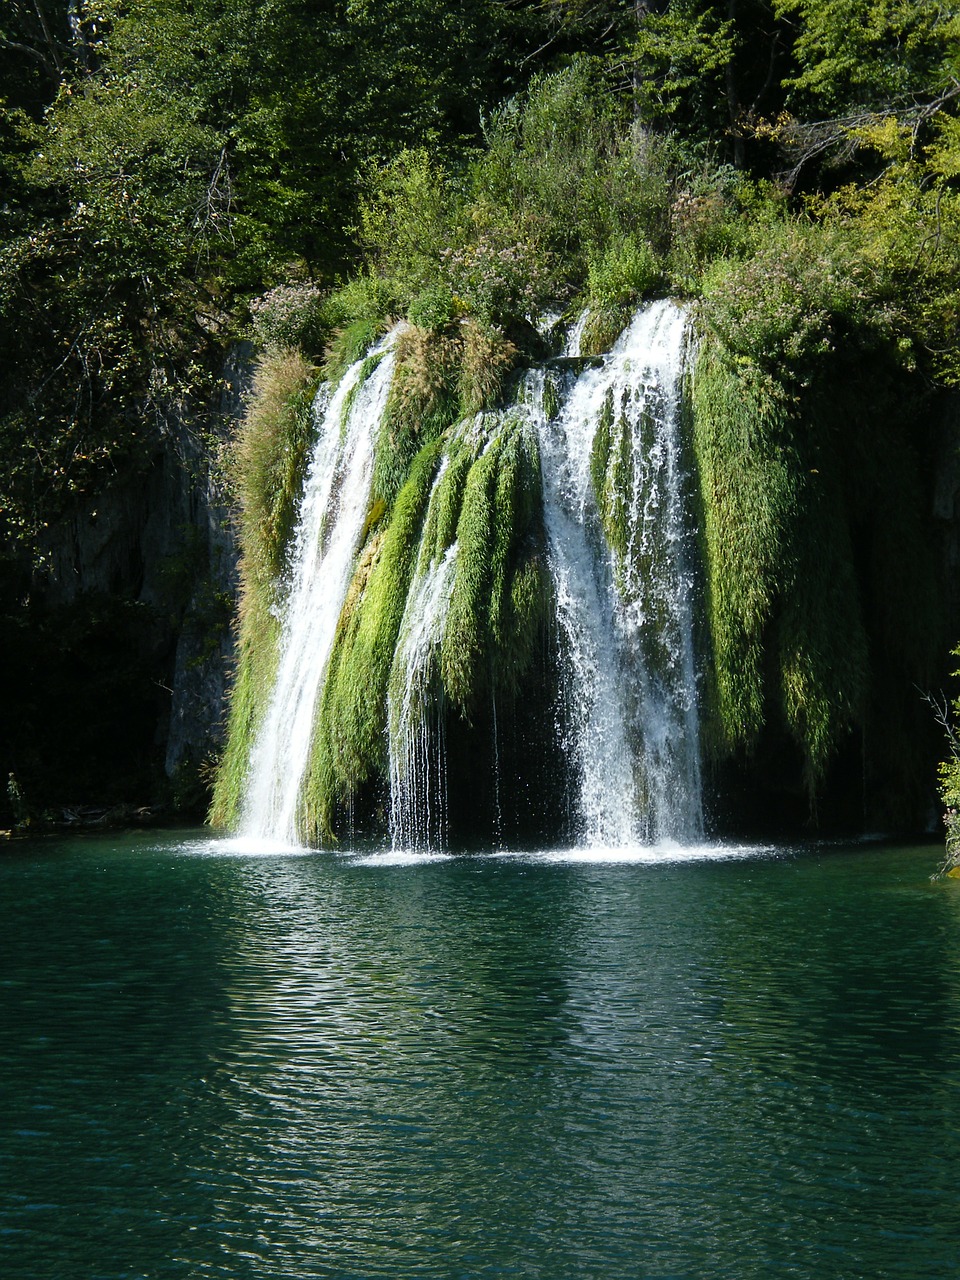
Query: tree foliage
pixel 174 175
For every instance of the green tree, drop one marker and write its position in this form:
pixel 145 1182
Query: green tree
pixel 863 54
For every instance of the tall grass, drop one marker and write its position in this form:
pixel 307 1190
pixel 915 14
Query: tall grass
pixel 265 467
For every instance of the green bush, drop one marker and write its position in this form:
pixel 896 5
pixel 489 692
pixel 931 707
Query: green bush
pixel 563 174
pixel 716 213
pixel 571 166
pixel 501 274
pixel 620 275
pixel 405 220
pixel 803 293
pixel 623 271
pixel 433 309
pixel 291 315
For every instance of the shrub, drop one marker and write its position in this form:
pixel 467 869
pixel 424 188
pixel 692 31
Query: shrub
pixel 794 301
pixel 624 271
pixel 433 309
pixel 405 219
pixel 563 171
pixel 358 315
pixel 705 224
pixel 290 315
pixel 619 275
pixel 500 275
pixel 574 169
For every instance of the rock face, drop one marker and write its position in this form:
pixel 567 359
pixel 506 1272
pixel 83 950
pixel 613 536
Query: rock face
pixel 152 558
pixel 205 644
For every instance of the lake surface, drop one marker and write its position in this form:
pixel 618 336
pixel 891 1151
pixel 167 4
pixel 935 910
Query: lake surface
pixel 697 1065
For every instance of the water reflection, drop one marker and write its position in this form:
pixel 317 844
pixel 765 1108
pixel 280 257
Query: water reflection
pixel 374 1019
pixel 307 1065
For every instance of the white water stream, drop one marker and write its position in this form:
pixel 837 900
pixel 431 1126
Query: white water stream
pixel 332 515
pixel 626 618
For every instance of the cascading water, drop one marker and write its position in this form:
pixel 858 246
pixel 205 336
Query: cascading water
pixel 415 724
pixel 417 800
pixel 336 493
pixel 618 550
pixel 625 599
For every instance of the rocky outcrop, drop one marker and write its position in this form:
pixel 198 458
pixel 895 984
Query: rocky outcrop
pixel 151 557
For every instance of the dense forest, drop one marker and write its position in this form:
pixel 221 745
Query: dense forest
pixel 201 188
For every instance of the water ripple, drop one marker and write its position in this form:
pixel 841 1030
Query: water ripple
pixel 689 1063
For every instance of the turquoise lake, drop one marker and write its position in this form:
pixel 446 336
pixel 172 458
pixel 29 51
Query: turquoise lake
pixel 709 1063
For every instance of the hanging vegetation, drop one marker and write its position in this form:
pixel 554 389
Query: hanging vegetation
pixel 266 467
pixel 803 423
pixel 350 732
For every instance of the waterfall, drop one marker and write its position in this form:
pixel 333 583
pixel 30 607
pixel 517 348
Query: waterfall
pixel 620 560
pixel 618 547
pixel 415 724
pixel 417 799
pixel 333 511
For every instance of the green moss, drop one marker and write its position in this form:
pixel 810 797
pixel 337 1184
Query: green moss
pixel 350 733
pixel 551 402
pixel 748 476
pixel 531 611
pixel 268 459
pixel 254 675
pixel 796 606
pixel 612 474
pixel 350 343
pixel 604 325
pixel 822 649
pixel 266 468
pixel 600 452
pixel 370 363
pixel 375 514
pixel 517 505
pixel 499 524
pixel 440 528
pixel 464 647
